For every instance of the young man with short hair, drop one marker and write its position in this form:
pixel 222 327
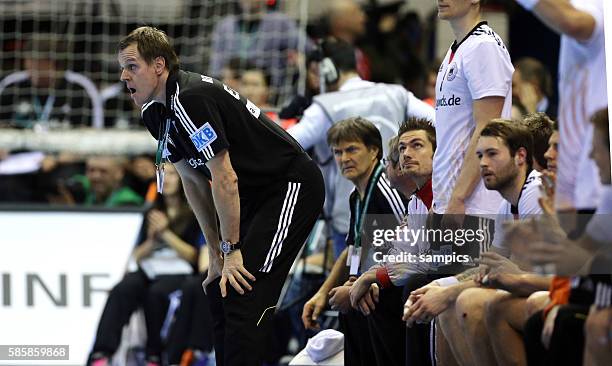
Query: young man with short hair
pixel 540 127
pixel 415 148
pixel 236 166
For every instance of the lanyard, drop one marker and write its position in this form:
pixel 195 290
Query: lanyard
pixel 360 214
pixel 161 154
pixel 44 114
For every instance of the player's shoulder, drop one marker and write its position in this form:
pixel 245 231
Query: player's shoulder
pixel 533 181
pixel 198 88
pixel 532 191
pixel 483 37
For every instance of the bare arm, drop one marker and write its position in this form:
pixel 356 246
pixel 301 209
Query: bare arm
pixel 225 195
pixel 199 195
pixel 203 260
pixel 485 110
pixel 563 18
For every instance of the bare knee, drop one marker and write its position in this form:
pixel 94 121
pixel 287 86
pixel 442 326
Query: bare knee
pixel 495 309
pixel 469 305
pixel 536 302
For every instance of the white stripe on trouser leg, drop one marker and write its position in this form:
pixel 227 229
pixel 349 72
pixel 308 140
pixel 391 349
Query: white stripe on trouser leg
pixel 432 341
pixel 286 223
pixel 284 234
pixel 280 224
pixel 283 225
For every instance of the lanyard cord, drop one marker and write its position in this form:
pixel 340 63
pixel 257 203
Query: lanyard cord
pixel 360 216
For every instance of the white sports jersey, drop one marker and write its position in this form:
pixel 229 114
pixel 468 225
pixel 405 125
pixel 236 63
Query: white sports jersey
pixel 528 205
pixel 582 91
pixel 477 67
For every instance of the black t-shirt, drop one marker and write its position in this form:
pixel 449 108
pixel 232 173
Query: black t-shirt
pixel 208 117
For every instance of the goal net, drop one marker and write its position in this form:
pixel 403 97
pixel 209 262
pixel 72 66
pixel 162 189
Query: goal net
pixel 208 35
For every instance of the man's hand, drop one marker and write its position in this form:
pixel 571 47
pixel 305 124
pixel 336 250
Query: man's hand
pixel 567 257
pixel 312 309
pixel 235 273
pixel 426 303
pixel 454 214
pixel 367 303
pixel 339 297
pixel 520 236
pixel 497 263
pixel 547 199
pixel 215 267
pixel 361 287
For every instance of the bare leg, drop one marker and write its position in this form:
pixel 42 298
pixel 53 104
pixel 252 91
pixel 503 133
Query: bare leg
pixel 504 319
pixel 454 336
pixel 444 353
pixel 536 302
pixel 469 310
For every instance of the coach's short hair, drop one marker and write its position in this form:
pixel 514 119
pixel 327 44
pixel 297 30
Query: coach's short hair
pixel 415 123
pixel 601 122
pixel 356 129
pixel 514 135
pixel 541 127
pixel 152 43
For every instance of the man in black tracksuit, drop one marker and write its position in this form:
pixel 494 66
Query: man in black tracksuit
pixel 238 166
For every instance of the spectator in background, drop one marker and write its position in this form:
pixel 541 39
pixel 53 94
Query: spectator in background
pixel 255 86
pixel 45 93
pixel 230 74
pixel 295 108
pixel 268 39
pixel 430 83
pixel 141 177
pixel 518 111
pixel 102 183
pixel 190 340
pixel 167 252
pixel 346 21
pixel 532 86
pixel 393 44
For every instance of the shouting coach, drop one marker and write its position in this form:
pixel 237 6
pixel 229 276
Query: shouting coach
pixel 236 165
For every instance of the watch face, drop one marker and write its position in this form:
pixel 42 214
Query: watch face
pixel 225 247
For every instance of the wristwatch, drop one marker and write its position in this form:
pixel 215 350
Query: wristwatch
pixel 227 247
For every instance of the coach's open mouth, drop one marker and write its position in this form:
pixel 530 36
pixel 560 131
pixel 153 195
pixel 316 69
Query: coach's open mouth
pixel 132 90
